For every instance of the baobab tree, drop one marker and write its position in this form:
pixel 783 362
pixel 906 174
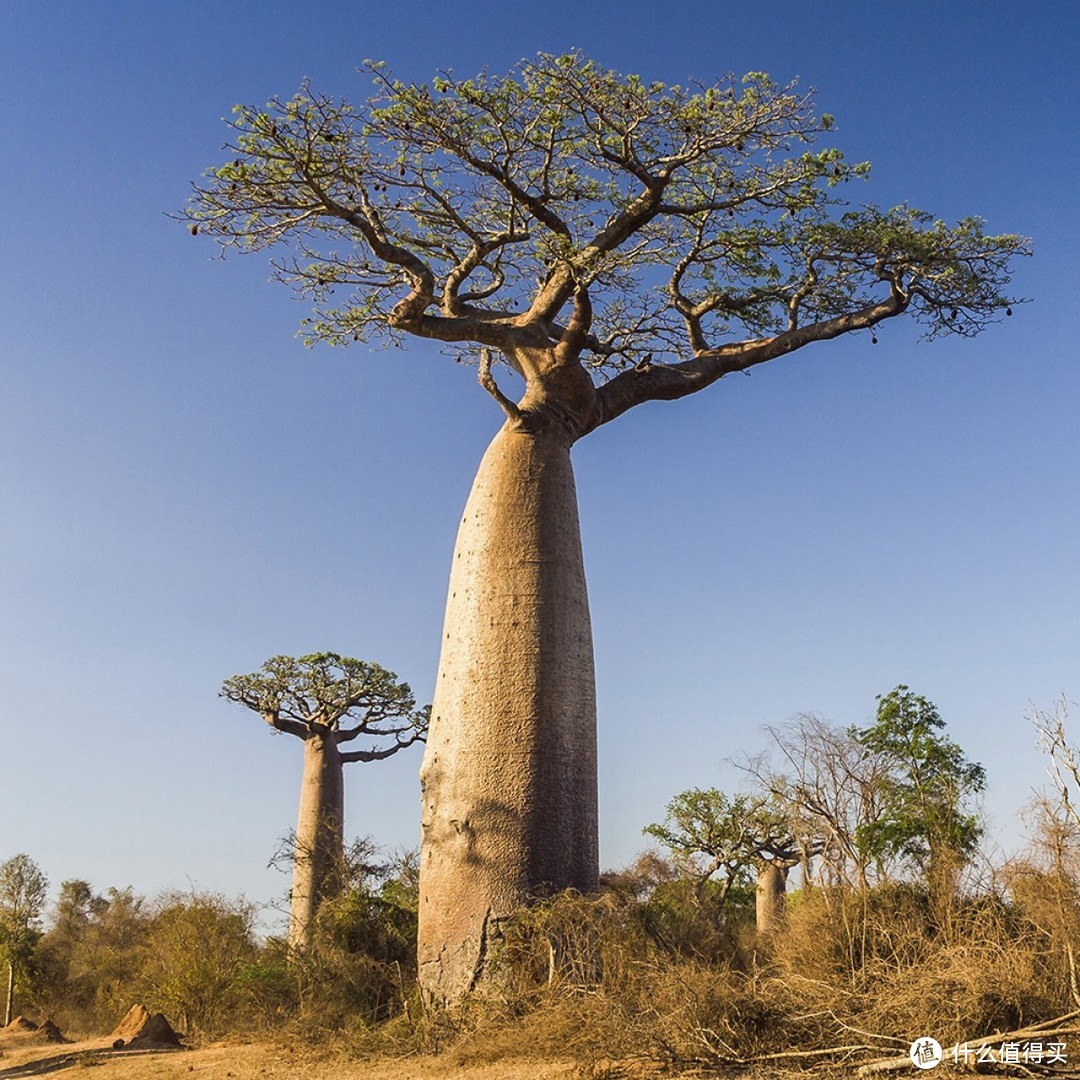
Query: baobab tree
pixel 328 701
pixel 610 242
pixel 713 833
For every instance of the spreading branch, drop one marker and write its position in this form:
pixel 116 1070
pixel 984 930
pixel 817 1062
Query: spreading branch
pixel 334 696
pixel 697 226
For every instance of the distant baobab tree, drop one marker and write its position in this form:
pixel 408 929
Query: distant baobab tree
pixel 328 701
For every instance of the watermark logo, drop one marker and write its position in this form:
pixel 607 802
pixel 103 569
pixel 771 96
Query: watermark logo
pixel 1011 1053
pixel 925 1053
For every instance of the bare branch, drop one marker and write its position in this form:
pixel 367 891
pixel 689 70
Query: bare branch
pixel 381 754
pixel 1063 766
pixel 290 727
pixel 487 381
pixel 668 382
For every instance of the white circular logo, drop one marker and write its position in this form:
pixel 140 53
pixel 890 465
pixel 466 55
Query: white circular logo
pixel 925 1053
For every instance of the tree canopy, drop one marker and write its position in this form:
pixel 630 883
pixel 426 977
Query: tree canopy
pixel 928 786
pixel 324 693
pixel 713 831
pixel 696 229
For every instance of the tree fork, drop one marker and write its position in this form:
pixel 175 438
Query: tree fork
pixel 509 773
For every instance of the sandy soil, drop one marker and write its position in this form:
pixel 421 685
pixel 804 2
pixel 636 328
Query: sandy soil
pixel 251 1061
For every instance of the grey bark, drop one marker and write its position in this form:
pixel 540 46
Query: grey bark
pixel 319 835
pixel 509 773
pixel 771 894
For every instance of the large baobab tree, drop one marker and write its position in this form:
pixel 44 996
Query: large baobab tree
pixel 328 701
pixel 609 241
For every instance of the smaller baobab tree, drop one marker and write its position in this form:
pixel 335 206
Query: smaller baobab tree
pixel 716 834
pixel 329 702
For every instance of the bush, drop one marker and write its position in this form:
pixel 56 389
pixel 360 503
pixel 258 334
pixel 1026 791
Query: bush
pixel 91 964
pixel 197 949
pixel 361 966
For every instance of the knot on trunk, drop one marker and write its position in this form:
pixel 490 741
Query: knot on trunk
pixel 564 399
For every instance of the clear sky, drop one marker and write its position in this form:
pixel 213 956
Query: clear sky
pixel 187 490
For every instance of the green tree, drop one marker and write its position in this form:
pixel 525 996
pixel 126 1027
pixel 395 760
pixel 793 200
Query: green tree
pixel 76 906
pixel 715 833
pixel 64 985
pixel 196 951
pixel 926 795
pixel 611 241
pixel 90 957
pixel 22 900
pixel 109 957
pixel 328 701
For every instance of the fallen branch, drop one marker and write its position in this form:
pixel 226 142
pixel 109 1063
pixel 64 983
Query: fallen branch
pixel 1043 1030
pixel 831 1050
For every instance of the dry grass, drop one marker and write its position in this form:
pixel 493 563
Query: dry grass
pixel 597 987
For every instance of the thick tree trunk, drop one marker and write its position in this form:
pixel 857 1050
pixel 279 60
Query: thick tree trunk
pixel 319 836
pixel 509 773
pixel 10 991
pixel 771 892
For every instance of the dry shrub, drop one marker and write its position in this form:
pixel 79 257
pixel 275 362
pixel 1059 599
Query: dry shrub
pixel 555 983
pixel 1047 905
pixel 570 942
pixel 555 1024
pixel 589 978
pixel 688 1012
pixel 585 977
pixel 360 968
pixel 849 940
pixel 887 961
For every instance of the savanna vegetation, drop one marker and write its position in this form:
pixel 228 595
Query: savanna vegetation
pixel 889 922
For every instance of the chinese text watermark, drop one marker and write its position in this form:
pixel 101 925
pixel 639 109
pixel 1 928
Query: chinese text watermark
pixel 926 1053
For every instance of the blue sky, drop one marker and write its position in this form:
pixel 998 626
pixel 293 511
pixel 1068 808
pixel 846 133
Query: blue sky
pixel 187 489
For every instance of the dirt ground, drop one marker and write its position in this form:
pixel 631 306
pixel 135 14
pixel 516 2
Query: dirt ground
pixel 251 1061
pixel 96 1060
